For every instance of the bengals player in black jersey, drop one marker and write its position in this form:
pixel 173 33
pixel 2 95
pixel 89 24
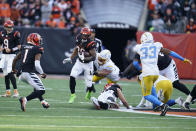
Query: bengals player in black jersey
pixel 29 62
pixel 86 52
pixel 9 45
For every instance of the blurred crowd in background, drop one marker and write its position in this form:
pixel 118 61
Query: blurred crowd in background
pixel 172 16
pixel 64 14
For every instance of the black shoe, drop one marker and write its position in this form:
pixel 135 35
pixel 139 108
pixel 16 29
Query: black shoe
pixel 22 104
pixel 186 105
pixel 193 101
pixel 164 109
pixel 157 108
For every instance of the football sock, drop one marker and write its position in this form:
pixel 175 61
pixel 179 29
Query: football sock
pixel 189 98
pixel 154 92
pixel 153 100
pixel 72 84
pixel 7 82
pixel 171 102
pixel 33 95
pixel 13 80
pixel 90 89
pixel 39 94
pixel 181 87
pixel 193 92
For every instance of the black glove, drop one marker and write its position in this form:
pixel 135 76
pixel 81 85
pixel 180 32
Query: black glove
pixel 18 73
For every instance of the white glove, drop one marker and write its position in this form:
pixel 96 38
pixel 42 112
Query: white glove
pixel 81 56
pixel 67 60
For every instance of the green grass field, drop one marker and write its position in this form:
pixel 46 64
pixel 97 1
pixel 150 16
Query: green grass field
pixel 81 116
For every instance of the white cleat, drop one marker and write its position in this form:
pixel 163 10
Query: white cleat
pixel 16 95
pixel 96 103
pixel 179 101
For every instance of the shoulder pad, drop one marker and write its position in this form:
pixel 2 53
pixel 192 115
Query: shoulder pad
pixel 91 44
pixel 41 48
pixel 16 34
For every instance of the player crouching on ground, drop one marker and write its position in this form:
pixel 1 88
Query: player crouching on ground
pixel 108 98
pixel 105 69
pixel 162 89
pixel 29 61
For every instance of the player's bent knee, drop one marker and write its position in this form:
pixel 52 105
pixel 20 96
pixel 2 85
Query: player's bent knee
pixel 176 83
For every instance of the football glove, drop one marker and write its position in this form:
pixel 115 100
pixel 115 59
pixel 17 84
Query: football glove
pixel 67 60
pixel 18 73
pixel 187 61
pixel 43 75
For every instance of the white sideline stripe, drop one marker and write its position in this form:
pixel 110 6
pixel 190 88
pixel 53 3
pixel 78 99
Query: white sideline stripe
pixel 75 126
pixel 151 113
pixel 63 108
pixel 97 117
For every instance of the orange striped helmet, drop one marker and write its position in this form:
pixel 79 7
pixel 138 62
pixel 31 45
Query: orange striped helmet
pixel 35 39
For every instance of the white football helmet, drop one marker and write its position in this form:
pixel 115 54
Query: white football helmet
pixel 104 56
pixel 146 37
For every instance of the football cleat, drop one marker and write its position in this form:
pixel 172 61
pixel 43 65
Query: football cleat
pixel 179 101
pixel 16 95
pixel 164 109
pixel 157 108
pixel 186 105
pixel 96 103
pixel 7 94
pixel 45 104
pixel 22 101
pixel 72 98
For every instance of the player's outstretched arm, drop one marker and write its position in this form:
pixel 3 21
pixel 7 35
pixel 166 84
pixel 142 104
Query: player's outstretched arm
pixel 174 54
pixel 122 98
pixel 73 55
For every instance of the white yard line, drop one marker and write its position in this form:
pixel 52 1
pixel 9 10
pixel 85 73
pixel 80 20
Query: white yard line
pixel 151 113
pixel 87 126
pixel 98 117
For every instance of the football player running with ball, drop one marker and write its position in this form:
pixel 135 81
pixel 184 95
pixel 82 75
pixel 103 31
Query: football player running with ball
pixel 86 51
pixel 148 51
pixel 29 61
pixel 10 42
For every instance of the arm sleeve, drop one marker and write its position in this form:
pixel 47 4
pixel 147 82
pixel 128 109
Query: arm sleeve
pixel 176 55
pixel 38 67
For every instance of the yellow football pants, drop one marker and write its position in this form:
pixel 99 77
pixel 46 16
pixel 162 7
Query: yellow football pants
pixel 147 83
pixel 167 87
pixel 97 78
